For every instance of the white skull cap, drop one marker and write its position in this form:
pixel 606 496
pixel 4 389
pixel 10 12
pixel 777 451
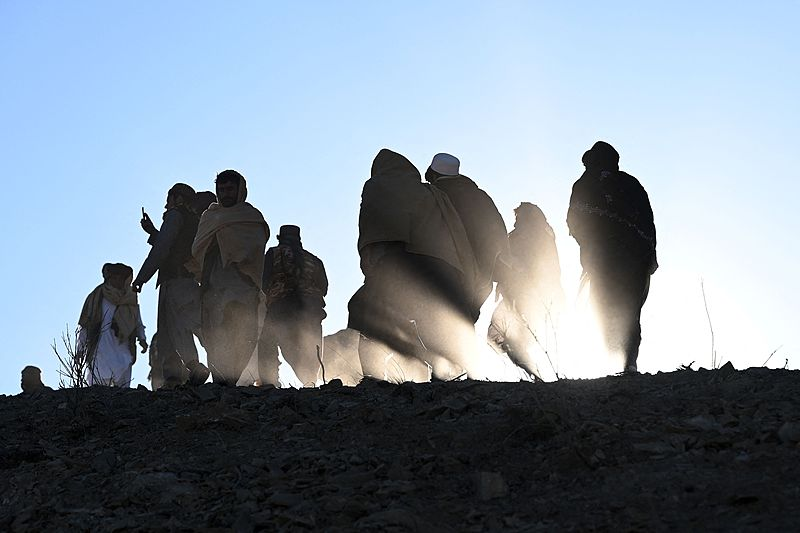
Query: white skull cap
pixel 445 164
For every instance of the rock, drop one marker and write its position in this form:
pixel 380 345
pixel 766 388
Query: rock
pixel 789 432
pixel 335 383
pixel 285 499
pixel 383 520
pixel 104 462
pixel 704 422
pixel 682 451
pixel 244 523
pixel 355 460
pixel 206 393
pixel 490 485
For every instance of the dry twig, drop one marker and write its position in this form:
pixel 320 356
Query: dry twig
pixel 710 326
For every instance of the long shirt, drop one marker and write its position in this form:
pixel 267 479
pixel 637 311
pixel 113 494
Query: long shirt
pixel 112 359
pixel 171 247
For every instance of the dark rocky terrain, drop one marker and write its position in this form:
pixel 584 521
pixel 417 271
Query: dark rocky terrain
pixel 686 451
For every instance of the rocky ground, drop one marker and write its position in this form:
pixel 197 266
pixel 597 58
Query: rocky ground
pixel 687 451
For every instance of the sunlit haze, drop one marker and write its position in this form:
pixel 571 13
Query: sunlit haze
pixel 106 104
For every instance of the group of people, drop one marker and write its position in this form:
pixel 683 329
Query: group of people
pixel 431 253
pixel 216 283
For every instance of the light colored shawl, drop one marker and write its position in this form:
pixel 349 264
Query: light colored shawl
pixel 240 232
pixel 126 316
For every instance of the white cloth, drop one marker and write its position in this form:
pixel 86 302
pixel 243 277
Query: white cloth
pixel 112 360
pixel 445 164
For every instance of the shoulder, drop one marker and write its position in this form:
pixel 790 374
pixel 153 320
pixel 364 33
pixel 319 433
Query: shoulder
pixel 254 215
pixel 631 183
pixel 586 185
pixel 624 176
pixel 460 182
pixel 583 181
pixel 95 292
pixel 312 256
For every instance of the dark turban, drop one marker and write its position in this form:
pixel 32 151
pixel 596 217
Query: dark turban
pixel 112 269
pixel 602 156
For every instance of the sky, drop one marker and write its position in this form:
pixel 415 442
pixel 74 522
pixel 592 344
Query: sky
pixel 105 105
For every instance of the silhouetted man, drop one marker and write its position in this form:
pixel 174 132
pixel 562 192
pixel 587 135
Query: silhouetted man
pixel 412 310
pixel 229 250
pixel 31 381
pixel 110 324
pixel 295 286
pixel 532 295
pixel 611 218
pixel 482 221
pixel 174 359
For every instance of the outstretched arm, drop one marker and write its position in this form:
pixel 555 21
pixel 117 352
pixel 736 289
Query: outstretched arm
pixel 164 240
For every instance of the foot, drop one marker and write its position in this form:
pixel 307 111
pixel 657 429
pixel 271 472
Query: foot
pixel 198 373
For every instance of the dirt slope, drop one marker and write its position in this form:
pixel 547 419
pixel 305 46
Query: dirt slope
pixel 680 451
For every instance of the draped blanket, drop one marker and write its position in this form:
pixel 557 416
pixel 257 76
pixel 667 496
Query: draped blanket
pixel 240 232
pixel 397 207
pixel 126 317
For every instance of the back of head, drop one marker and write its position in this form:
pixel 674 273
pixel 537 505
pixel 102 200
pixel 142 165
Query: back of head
pixel 202 200
pixel 391 164
pixel 31 379
pixel 530 215
pixel 602 156
pixel 184 191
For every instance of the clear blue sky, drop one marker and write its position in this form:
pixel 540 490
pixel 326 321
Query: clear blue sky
pixel 104 105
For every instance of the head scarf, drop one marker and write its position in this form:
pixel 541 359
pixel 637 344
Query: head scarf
pixel 184 191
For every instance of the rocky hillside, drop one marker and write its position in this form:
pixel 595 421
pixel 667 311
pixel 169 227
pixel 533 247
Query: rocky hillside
pixel 688 450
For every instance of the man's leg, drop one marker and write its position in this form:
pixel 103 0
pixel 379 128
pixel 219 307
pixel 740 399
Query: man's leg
pixel 378 361
pixel 301 343
pixel 636 294
pixel 268 354
pixel 215 336
pixel 520 346
pixel 173 369
pixel 156 365
pixel 449 343
pixel 165 368
pixel 124 380
pixel 242 324
pixel 180 321
pixel 230 331
pixel 618 294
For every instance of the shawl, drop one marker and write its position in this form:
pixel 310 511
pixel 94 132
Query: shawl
pixel 397 207
pixel 126 317
pixel 241 233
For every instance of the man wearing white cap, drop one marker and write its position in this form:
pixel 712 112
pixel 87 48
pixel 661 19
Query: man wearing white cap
pixel 485 228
